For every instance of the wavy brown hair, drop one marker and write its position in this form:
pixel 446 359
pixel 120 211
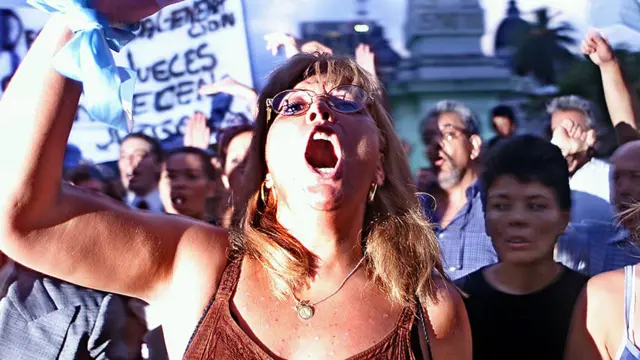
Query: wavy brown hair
pixel 402 251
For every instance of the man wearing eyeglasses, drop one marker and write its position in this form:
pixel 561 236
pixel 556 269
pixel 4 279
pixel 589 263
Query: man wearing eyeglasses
pixel 450 133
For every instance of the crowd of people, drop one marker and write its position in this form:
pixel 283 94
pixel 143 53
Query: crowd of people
pixel 305 234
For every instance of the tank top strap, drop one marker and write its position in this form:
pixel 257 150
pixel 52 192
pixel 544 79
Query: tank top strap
pixel 201 338
pixel 407 318
pixel 229 281
pixel 629 291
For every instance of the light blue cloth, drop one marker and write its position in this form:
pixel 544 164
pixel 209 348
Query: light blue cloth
pixel 107 88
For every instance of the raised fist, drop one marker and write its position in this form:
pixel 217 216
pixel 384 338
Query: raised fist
pixel 598 48
pixel 572 139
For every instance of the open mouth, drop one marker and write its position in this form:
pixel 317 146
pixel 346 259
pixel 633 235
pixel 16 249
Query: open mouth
pixel 177 200
pixel 323 151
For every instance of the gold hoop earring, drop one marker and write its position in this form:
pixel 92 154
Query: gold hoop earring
pixel 262 194
pixel 262 197
pixel 372 193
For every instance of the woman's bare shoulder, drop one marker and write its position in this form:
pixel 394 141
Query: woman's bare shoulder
pixel 598 318
pixel 200 259
pixel 202 246
pixel 195 253
pixel 448 324
pixel 447 310
pixel 606 287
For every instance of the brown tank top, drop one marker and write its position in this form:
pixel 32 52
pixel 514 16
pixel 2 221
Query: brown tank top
pixel 218 336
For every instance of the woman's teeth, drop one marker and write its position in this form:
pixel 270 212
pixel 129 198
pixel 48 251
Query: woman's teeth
pixel 321 136
pixel 324 170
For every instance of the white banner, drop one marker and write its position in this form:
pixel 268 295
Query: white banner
pixel 176 51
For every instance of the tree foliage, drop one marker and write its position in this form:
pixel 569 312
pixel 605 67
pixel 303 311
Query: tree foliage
pixel 543 52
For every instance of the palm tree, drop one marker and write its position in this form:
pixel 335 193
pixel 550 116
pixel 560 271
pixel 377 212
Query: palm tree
pixel 543 52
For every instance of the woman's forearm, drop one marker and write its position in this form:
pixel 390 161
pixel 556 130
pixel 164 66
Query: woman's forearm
pixel 622 103
pixel 36 115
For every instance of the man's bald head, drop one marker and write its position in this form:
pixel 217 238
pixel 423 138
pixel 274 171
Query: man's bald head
pixel 631 148
pixel 626 178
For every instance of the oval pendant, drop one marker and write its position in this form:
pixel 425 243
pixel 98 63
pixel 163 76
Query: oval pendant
pixel 305 310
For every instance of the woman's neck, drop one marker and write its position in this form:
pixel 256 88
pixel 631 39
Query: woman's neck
pixel 522 279
pixel 333 238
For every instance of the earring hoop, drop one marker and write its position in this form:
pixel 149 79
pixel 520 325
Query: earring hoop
pixel 372 193
pixel 263 197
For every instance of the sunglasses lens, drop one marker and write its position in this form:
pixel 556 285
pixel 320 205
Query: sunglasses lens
pixel 348 98
pixel 291 102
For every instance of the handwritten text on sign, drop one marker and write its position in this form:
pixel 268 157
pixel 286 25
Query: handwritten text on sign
pixel 178 50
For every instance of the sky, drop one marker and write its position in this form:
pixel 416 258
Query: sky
pixel 265 16
pixel 285 15
pixel 282 15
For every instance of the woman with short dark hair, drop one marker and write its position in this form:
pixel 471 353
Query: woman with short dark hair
pixel 520 308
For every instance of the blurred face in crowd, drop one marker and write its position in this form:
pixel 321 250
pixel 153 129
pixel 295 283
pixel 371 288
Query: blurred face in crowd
pixel 139 166
pixel 450 149
pixel 95 185
pixel 503 126
pixel 236 152
pixel 184 185
pixel 523 220
pixel 626 180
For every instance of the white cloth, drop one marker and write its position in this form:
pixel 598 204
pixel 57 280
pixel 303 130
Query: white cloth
pixel 152 199
pixel 591 192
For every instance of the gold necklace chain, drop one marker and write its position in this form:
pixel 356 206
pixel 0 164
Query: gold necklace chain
pixel 306 309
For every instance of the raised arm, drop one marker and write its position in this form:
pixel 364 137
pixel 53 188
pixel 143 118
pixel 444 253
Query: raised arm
pixel 71 234
pixel 622 102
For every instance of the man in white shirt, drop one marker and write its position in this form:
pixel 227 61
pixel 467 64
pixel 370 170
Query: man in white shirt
pixel 139 164
pixel 589 176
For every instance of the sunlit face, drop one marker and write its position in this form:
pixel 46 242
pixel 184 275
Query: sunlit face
pixel 523 220
pixel 626 181
pixel 138 166
pixel 323 158
pixel 449 149
pixel 503 126
pixel 236 153
pixel 184 187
